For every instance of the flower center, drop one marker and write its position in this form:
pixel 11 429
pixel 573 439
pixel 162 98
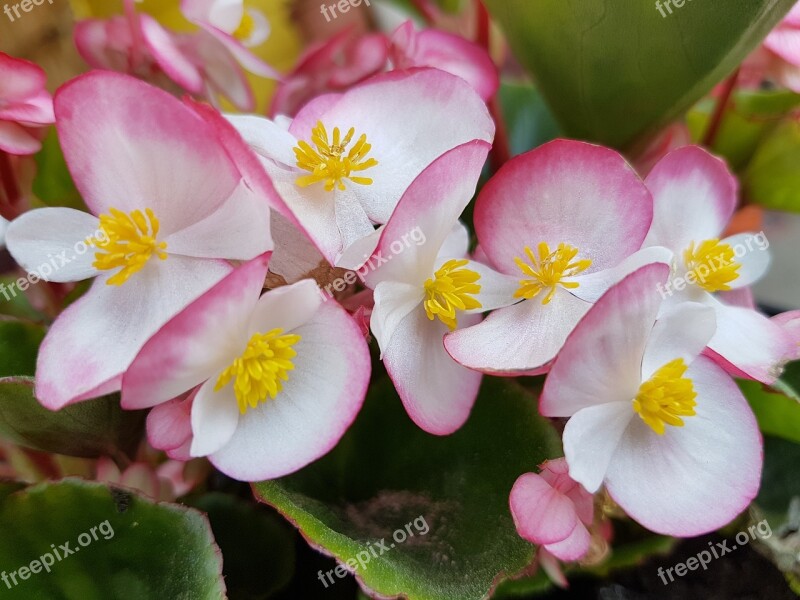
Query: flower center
pixel 245 29
pixel 547 271
pixel 666 397
pixel 128 242
pixel 713 264
pixel 450 290
pixel 328 161
pixel 261 369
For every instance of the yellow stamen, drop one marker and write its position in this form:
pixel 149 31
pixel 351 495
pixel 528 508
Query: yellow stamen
pixel 261 369
pixel 666 397
pixel 450 291
pixel 246 27
pixel 547 271
pixel 329 163
pixel 128 242
pixel 713 264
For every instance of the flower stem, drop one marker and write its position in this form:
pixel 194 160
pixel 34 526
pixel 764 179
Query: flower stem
pixel 500 153
pixel 719 110
pixel 10 197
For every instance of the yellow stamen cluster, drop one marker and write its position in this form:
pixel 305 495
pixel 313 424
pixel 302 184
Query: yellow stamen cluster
pixel 666 397
pixel 245 29
pixel 261 369
pixel 128 242
pixel 713 264
pixel 547 271
pixel 450 290
pixel 328 161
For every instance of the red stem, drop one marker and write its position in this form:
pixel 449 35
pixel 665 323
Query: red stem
pixel 8 180
pixel 500 153
pixel 719 111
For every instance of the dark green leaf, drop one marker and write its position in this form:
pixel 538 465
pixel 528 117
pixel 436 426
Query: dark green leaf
pixel 773 179
pixel 386 475
pixel 19 343
pixel 617 72
pixel 125 546
pixel 528 120
pixel 53 184
pixel 777 414
pixel 86 429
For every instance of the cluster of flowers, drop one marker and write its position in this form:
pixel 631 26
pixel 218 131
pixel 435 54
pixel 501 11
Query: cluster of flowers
pixel 201 211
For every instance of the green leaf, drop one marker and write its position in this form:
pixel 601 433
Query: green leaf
pixel 749 118
pixel 617 72
pixel 530 123
pixel 53 184
pixel 86 429
pixel 773 179
pixel 779 481
pixel 777 414
pixel 125 546
pixel 19 344
pixel 386 475
pixel 257 545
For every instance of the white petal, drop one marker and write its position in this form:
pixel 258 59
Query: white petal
pixel 287 307
pixel 394 300
pixel 215 416
pixel 754 257
pixel 683 332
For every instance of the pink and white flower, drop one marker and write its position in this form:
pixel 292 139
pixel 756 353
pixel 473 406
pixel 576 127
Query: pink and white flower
pixel 695 196
pixel 790 323
pixel 778 57
pixel 423 291
pixel 168 206
pixel 342 164
pixel 446 51
pixel 554 511
pixel 664 428
pixel 562 222
pixel 281 377
pixel 25 105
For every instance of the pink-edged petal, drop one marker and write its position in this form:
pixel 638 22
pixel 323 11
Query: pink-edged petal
pixel 169 425
pixel 50 242
pixel 753 258
pixel 394 300
pixel 574 547
pixel 750 342
pixel 200 341
pixel 15 139
pixel 594 285
pixel 287 307
pixel 215 417
pixel 35 110
pixel 564 191
pixel 169 56
pixel 790 323
pixel 240 54
pixel 522 337
pixel 430 206
pixel 19 79
pixel 785 42
pixel 437 392
pixel 223 75
pixel 130 145
pixel 541 514
pixel 238 229
pixel 260 30
pixel 601 361
pixel 381 109
pixel 742 297
pixel 681 332
pixel 694 195
pixel 316 406
pixel 668 482
pixel 105 329
pixel 590 440
pixel 445 51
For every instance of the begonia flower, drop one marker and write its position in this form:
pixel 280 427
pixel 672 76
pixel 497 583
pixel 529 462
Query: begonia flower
pixel 423 291
pixel 664 428
pixel 168 206
pixel 446 51
pixel 790 323
pixel 695 196
pixel 345 160
pixel 552 510
pixel 778 57
pixel 25 105
pixel 281 376
pixel 565 221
